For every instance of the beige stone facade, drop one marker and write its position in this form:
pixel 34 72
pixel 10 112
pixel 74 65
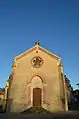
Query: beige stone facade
pixel 2 100
pixel 1 97
pixel 69 89
pixel 37 73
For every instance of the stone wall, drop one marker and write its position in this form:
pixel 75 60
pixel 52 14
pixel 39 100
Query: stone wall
pixel 23 73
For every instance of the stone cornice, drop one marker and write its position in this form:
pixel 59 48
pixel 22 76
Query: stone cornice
pixel 37 47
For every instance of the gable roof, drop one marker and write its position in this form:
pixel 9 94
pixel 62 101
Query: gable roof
pixel 38 47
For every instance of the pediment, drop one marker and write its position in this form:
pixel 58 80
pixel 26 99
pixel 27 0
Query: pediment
pixel 36 48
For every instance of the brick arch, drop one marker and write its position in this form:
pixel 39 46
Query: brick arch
pixel 36 82
pixel 43 81
pixel 36 90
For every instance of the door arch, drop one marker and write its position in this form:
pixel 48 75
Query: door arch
pixel 37 97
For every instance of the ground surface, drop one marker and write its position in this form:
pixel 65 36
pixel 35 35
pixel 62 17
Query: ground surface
pixel 56 115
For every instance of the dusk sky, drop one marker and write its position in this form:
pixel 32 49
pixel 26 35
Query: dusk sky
pixel 55 23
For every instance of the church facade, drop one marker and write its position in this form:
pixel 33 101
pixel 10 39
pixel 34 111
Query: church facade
pixel 37 80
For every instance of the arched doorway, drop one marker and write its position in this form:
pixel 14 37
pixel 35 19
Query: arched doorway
pixel 37 97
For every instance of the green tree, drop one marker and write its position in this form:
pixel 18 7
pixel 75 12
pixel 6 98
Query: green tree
pixel 77 85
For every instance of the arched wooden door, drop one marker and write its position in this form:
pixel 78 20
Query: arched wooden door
pixel 37 97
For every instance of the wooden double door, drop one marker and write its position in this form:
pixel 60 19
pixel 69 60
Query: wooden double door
pixel 37 97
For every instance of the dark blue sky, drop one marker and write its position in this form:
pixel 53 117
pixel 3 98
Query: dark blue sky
pixel 55 23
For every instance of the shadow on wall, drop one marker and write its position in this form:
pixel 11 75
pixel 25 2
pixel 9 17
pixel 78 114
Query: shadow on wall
pixel 74 104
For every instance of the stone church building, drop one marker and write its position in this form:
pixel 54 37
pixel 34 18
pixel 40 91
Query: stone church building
pixel 37 80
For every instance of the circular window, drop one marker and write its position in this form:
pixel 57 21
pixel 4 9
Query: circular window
pixel 37 61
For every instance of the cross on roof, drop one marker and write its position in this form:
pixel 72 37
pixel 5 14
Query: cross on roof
pixel 37 43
